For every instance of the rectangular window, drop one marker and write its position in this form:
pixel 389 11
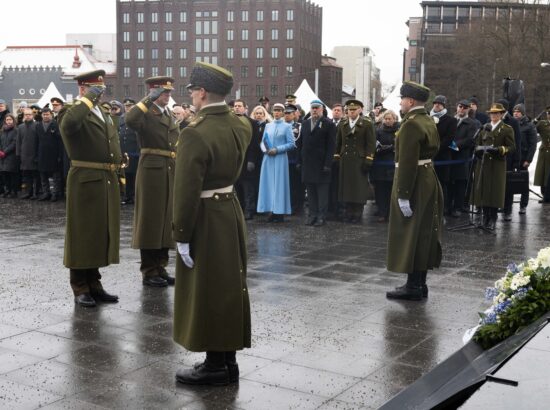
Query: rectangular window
pixel 183 89
pixel 289 89
pixel 154 71
pixel 215 60
pixel 244 71
pixel 244 15
pixel 183 17
pixel 259 52
pixel 449 13
pixel 169 71
pixel 126 72
pixel 154 17
pixel 140 18
pixel 154 54
pixel 289 52
pixel 244 90
pixel 198 14
pixel 168 17
pixel 126 18
pixel 230 16
pixel 413 43
pixel 230 53
pixel 230 35
pixel 206 45
pixel 290 15
pixel 244 34
pixel 183 35
pixel 259 72
pixel 126 36
pixel 214 45
pixel 183 71
pixel 168 54
pixel 206 29
pixel 140 53
pixel 140 36
pixel 214 14
pixel 413 61
pixel 259 15
pixel 198 28
pixel 126 90
pixel 274 15
pixel 274 34
pixel 289 70
pixel 244 52
pixel 274 90
pixel 198 45
pixel 141 90
pixel 260 34
pixel 274 71
pixel 168 35
pixel 154 35
pixel 183 53
pixel 289 34
pixel 140 72
pixel 259 90
pixel 274 52
pixel 126 54
pixel 214 28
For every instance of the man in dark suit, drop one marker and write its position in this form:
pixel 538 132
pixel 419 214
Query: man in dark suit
pixel 50 156
pixel 316 147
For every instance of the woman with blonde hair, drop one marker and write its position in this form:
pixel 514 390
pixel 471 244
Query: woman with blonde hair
pixel 260 114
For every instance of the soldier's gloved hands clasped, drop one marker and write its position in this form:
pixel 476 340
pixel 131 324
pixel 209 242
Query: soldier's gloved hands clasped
pixel 405 206
pixel 183 250
pixel 250 166
pixel 155 93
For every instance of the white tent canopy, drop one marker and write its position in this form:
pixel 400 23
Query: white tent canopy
pixel 304 95
pixel 392 101
pixel 50 92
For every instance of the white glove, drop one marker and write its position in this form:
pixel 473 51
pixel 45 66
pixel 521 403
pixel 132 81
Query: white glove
pixel 405 206
pixel 183 250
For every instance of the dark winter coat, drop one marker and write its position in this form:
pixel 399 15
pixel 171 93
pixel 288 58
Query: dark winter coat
pixel 8 140
pixel 446 128
pixel 513 158
pixel 384 152
pixel 128 144
pixel 465 142
pixel 316 148
pixel 50 147
pixel 543 159
pixel 253 153
pixel 528 139
pixel 27 146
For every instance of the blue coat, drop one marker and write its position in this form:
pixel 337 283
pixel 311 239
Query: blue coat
pixel 274 193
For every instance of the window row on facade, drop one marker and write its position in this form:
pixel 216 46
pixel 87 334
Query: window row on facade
pixel 471 12
pixel 206 45
pixel 274 34
pixel 244 70
pixel 182 17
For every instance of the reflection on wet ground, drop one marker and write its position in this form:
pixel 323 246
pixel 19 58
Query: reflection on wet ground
pixel 324 335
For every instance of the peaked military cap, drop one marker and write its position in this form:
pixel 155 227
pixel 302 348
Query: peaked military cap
pixel 290 108
pixel 128 101
pixel 496 107
pixel 278 106
pixel 316 103
pixel 415 91
pixel 91 78
pixel 263 99
pixel 354 104
pixel 56 99
pixel 160 82
pixel 212 78
pixel 290 97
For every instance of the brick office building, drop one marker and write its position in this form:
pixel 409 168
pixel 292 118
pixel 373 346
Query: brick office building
pixel 270 46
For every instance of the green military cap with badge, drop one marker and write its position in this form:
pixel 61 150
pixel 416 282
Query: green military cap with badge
pixel 212 78
pixel 415 91
pixel 160 82
pixel 496 108
pixel 353 104
pixel 91 78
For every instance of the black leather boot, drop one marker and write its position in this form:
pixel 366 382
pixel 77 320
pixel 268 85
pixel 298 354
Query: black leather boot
pixel 213 371
pixel 424 275
pixel 232 366
pixel 412 290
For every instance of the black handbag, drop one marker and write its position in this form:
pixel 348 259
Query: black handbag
pixel 517 182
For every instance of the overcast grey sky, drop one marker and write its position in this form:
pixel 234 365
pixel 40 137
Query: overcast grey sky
pixel 379 25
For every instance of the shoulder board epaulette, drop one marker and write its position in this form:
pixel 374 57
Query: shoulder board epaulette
pixel 506 125
pixel 196 121
pixel 411 117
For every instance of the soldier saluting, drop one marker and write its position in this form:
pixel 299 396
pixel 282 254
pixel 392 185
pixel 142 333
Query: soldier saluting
pixel 414 237
pixel 93 200
pixel 157 137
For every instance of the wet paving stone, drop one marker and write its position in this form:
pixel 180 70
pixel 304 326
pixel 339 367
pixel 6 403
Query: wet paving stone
pixel 324 335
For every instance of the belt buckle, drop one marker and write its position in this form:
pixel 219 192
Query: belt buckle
pixel 172 154
pixel 112 167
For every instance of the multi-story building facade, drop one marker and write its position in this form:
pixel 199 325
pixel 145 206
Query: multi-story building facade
pixel 269 46
pixel 330 81
pixel 360 72
pixel 412 56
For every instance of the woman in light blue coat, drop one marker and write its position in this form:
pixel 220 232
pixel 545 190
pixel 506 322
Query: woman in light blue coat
pixel 274 193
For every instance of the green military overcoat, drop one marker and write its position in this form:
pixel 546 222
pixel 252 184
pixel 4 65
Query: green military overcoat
pixel 353 146
pixel 155 176
pixel 543 159
pixel 414 244
pixel 93 200
pixel 212 310
pixel 489 182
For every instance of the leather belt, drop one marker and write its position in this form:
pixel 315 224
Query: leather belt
pixel 106 166
pixel 211 192
pixel 420 162
pixel 161 152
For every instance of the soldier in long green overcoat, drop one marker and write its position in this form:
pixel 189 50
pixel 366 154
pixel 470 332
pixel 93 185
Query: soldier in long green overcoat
pixel 212 310
pixel 416 209
pixel 93 200
pixel 355 146
pixel 157 135
pixel 493 144
pixel 542 171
